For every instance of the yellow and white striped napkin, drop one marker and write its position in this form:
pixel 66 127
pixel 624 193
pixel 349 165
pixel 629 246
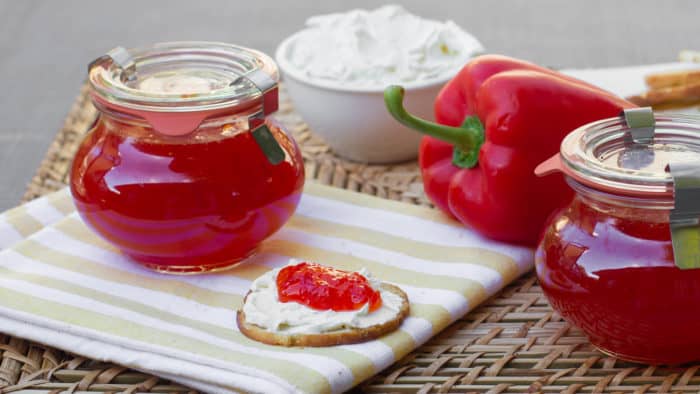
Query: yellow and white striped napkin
pixel 62 285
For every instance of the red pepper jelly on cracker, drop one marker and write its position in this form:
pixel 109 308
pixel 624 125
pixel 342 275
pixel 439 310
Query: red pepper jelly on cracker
pixel 325 288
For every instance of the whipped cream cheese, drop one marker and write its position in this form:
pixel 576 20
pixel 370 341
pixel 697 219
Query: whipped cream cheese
pixel 380 47
pixel 263 308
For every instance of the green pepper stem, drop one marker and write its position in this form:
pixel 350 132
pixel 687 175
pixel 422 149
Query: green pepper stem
pixel 466 139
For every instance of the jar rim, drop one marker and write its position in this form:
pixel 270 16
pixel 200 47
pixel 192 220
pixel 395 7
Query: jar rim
pixel 602 154
pixel 218 64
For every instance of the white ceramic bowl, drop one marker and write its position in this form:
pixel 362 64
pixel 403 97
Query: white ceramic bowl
pixel 354 120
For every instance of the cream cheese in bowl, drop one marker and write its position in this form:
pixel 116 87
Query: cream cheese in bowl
pixel 380 47
pixel 336 70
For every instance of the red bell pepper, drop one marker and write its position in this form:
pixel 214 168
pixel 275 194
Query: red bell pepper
pixel 498 119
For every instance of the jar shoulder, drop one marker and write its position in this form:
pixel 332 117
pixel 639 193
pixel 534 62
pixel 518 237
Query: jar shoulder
pixel 597 239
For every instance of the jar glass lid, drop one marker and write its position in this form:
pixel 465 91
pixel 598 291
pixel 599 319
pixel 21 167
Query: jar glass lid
pixel 614 156
pixel 182 77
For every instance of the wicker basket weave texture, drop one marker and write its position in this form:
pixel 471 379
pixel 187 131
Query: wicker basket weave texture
pixel 514 342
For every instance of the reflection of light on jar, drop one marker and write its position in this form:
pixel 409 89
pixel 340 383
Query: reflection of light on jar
pixel 171 173
pixel 636 157
pixel 606 262
pixel 573 251
pixel 560 223
pixel 178 84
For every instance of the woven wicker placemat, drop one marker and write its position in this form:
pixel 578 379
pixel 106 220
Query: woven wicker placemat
pixel 514 342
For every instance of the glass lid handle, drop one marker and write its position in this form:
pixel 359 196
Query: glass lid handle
pixel 685 215
pixel 120 57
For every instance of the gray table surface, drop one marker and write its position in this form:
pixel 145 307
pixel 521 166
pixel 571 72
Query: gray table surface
pixel 46 45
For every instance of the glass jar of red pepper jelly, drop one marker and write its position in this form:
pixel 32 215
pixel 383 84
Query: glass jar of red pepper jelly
pixel 183 170
pixel 622 260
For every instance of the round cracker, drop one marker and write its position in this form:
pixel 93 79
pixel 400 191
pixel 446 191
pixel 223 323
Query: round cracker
pixel 340 337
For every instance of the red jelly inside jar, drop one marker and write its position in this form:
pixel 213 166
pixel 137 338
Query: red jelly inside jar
pixel 611 272
pixel 185 201
pixel 606 262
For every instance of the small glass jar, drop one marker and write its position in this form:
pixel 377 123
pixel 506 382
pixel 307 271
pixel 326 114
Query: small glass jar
pixel 183 171
pixel 606 261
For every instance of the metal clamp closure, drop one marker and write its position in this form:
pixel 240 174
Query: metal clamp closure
pixel 267 86
pixel 641 123
pixel 638 153
pixel 685 215
pixel 269 91
pixel 122 58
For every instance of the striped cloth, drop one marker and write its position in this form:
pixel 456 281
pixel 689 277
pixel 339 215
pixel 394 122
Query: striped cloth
pixel 62 285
